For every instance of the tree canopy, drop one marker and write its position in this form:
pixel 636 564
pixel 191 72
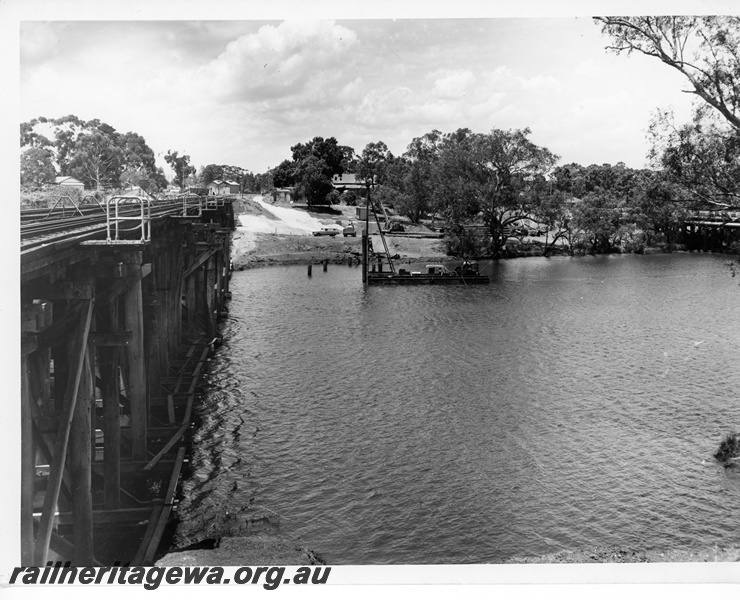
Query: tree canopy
pixel 312 168
pixel 93 152
pixel 703 156
pixel 37 167
pixel 704 49
pixel 493 176
pixel 181 167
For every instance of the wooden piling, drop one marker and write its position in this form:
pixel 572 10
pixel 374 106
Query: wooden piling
pixel 136 384
pixel 118 328
pixel 28 466
pixel 56 472
pixel 109 362
pixel 210 304
pixel 190 304
pixel 80 459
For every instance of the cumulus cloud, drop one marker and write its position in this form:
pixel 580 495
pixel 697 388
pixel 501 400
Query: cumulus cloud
pixel 38 42
pixel 293 58
pixel 453 84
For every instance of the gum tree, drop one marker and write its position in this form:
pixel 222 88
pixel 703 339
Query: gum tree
pixel 706 50
pixel 704 155
pixel 97 160
pixel 37 167
pixel 489 177
pixel 181 167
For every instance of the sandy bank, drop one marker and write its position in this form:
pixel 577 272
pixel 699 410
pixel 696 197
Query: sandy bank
pixel 270 235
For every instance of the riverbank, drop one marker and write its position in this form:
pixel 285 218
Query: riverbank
pixel 282 234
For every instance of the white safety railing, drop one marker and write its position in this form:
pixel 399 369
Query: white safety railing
pixel 119 212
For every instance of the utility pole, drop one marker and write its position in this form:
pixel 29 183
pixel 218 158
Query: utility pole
pixel 366 232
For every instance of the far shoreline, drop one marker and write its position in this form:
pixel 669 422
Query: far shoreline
pixel 268 250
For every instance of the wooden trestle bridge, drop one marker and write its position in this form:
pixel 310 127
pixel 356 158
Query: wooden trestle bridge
pixel 711 229
pixel 119 311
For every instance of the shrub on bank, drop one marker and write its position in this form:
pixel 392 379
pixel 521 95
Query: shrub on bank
pixel 47 196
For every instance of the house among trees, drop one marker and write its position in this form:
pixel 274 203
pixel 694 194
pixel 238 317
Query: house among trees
pixel 219 187
pixel 283 194
pixel 348 182
pixel 70 182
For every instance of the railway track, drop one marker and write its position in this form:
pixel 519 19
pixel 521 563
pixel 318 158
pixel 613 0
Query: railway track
pixel 91 224
pixel 31 215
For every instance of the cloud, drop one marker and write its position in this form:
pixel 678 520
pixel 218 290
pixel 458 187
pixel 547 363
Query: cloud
pixel 38 43
pixel 297 58
pixel 540 84
pixel 453 84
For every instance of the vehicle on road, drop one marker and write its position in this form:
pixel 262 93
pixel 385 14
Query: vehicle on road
pixel 349 230
pixel 327 231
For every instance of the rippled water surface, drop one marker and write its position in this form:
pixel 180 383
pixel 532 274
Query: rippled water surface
pixel 570 403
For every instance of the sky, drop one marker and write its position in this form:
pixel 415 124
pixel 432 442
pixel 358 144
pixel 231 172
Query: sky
pixel 242 91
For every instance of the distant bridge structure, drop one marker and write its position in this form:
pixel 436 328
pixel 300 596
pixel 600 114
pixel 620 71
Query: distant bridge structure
pixel 711 230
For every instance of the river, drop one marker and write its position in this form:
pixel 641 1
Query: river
pixel 572 402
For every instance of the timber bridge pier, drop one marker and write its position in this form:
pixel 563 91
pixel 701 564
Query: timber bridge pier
pixel 119 308
pixel 711 229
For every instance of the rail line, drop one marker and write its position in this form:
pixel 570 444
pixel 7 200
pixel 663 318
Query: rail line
pixel 40 232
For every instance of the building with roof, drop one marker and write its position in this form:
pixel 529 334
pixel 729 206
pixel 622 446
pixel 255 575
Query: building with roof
pixel 348 182
pixel 70 182
pixel 219 187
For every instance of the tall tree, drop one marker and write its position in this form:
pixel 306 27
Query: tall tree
pixel 490 176
pixel 95 152
pixel 313 166
pixel 284 174
pixel 211 173
pixel 37 167
pixel 327 150
pixel 418 176
pixel 312 182
pixel 701 156
pixel 374 162
pixel 138 163
pixel 180 166
pixel 97 160
pixel 599 219
pixel 706 50
pixel 658 206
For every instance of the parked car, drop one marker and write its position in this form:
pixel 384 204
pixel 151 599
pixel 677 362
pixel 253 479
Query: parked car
pixel 327 231
pixel 349 230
